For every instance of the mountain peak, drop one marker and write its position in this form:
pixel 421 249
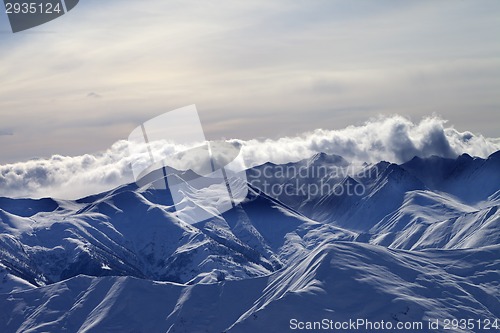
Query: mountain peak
pixel 495 156
pixel 465 157
pixel 324 158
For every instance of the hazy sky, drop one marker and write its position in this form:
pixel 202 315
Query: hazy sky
pixel 254 69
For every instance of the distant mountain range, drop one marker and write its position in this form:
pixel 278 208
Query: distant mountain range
pixel 318 238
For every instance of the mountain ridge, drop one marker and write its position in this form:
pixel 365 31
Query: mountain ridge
pixel 117 259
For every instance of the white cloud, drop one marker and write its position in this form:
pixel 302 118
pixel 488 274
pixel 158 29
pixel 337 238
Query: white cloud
pixel 394 139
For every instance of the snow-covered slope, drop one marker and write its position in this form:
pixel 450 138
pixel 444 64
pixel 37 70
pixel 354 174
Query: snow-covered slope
pixel 471 180
pixel 424 203
pixel 129 232
pixel 344 281
pixel 399 243
pixel 338 281
pixel 427 220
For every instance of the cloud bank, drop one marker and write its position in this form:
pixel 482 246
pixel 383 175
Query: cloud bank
pixel 395 139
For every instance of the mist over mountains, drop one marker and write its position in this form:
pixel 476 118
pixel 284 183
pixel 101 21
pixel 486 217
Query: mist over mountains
pixel 318 238
pixel 394 139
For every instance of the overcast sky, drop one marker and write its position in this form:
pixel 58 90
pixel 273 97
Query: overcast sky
pixel 254 69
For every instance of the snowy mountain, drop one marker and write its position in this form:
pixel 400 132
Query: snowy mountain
pixel 424 203
pixel 314 239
